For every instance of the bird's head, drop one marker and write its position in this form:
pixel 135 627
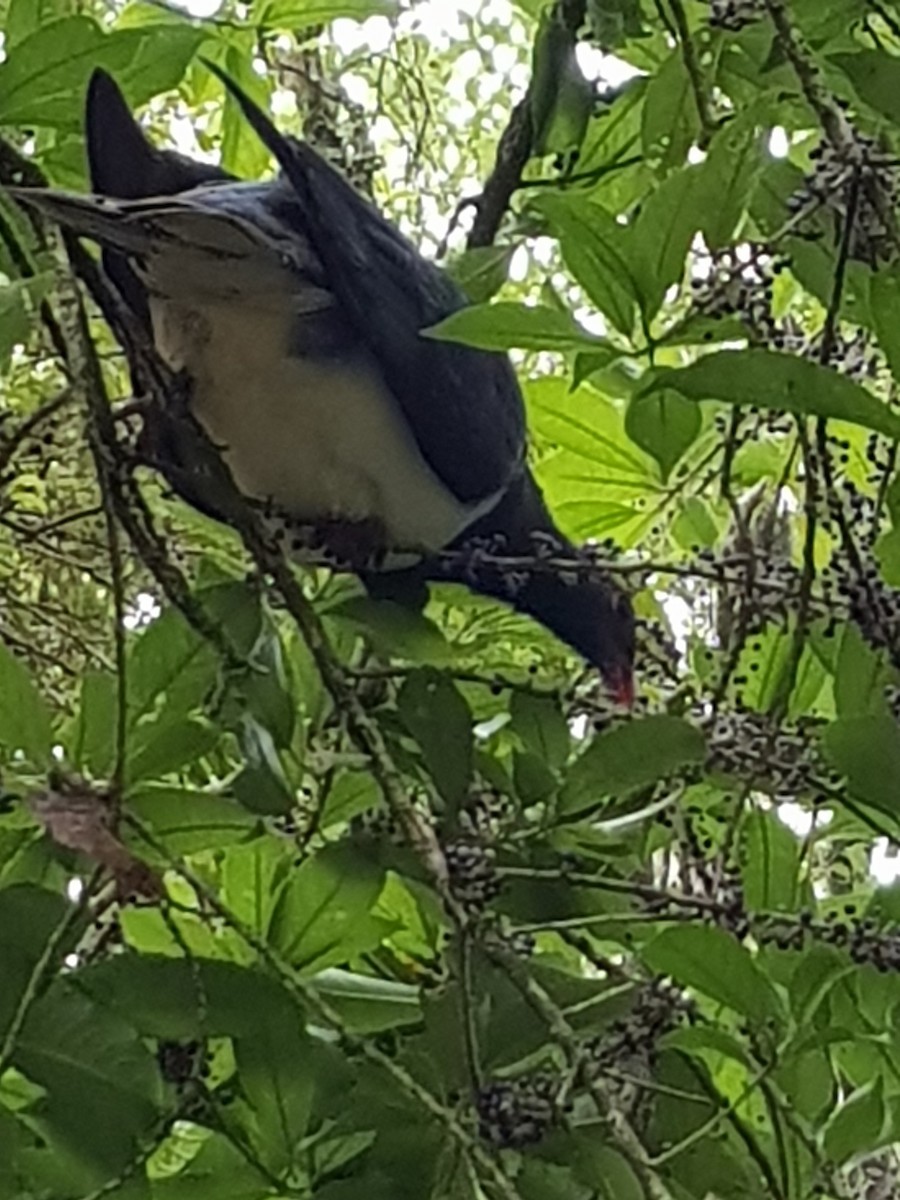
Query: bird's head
pixel 596 619
pixel 603 630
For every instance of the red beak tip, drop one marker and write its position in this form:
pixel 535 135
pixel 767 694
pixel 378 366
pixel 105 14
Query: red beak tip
pixel 622 688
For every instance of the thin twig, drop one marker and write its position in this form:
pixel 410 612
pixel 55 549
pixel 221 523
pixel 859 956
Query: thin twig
pixel 694 73
pixel 45 966
pixel 514 149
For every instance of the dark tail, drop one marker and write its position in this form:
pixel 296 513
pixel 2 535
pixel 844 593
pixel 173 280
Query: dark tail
pixel 125 165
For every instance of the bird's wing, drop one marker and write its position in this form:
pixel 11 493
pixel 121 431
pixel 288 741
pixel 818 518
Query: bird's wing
pixel 463 405
pixel 214 244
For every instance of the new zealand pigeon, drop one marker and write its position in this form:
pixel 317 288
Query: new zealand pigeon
pixel 295 310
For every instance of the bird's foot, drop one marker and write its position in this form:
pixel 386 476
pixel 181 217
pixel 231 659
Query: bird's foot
pixel 346 544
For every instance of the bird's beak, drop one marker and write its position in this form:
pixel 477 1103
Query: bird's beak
pixel 621 685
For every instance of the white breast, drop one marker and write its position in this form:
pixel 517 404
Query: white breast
pixel 316 437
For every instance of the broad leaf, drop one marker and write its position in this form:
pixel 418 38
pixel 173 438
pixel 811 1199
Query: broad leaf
pixel 507 326
pixel 732 166
pixel 560 97
pixel 867 751
pixel 323 917
pixel 48 69
pixel 539 722
pixel 875 76
pixel 276 1077
pixel 291 14
pixel 714 963
pixel 858 1124
pixel 25 722
pixel 595 249
pixel 187 820
pixel 664 424
pixel 634 755
pixel 102 1085
pixel 482 270
pixel 782 383
pixel 662 235
pixel 436 714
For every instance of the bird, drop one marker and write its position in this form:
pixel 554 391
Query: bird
pixel 298 313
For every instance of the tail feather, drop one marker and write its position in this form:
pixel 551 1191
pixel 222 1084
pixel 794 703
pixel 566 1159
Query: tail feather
pixel 95 217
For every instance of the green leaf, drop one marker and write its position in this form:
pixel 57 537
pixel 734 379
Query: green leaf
pixel 289 14
pixel 887 548
pixel 770 864
pixel 560 97
pixel 662 235
pixel 664 424
pixel 275 1075
pixel 170 667
pixel 162 747
pixel 103 1090
pixel 533 779
pixel 396 629
pixel 187 820
pixel 733 164
pixel 595 249
pixel 481 271
pixel 25 17
pixel 867 751
pixel 612 21
pixel 859 1123
pixel 546 1181
pixel 266 690
pixel 539 723
pixel 242 151
pixel 875 76
pixel 157 996
pixel 323 916
pixel 29 917
pixel 714 963
pixel 262 786
pixel 368 1004
pixel 47 70
pixel 634 755
pixel 782 383
pixel 25 722
pixel 670 123
pixel 436 714
pixel 92 739
pixel 884 300
pixel 508 326
pixel 218 1165
pixel 16 300
pixel 695 525
pixel 860 676
pixel 352 793
pixel 253 877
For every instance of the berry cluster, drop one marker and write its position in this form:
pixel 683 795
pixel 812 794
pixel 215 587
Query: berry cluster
pixel 859 168
pixel 488 814
pixel 473 874
pixel 739 283
pixel 853 580
pixel 783 756
pixel 181 1063
pixel 629 1045
pixel 518 1112
pixel 875 1177
pixel 851 354
pixel 734 15
pixel 862 940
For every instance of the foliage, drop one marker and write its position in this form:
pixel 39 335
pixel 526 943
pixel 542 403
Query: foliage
pixel 303 896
